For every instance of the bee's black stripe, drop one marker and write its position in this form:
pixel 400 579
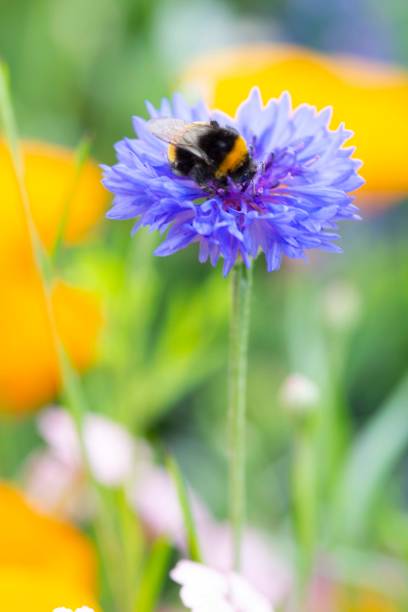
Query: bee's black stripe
pixel 217 144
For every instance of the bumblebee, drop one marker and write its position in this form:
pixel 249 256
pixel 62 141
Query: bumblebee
pixel 205 152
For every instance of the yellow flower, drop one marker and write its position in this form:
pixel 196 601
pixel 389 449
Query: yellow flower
pixel 371 98
pixel 29 374
pixel 51 180
pixel 43 562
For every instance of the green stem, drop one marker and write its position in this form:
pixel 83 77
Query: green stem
pixel 154 576
pixel 241 293
pixel 305 503
pixel 70 382
pixel 193 545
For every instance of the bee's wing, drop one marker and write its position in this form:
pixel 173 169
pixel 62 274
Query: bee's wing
pixel 167 129
pixel 180 133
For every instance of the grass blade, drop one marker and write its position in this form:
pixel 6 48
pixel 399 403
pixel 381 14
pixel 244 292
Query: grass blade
pixel 370 464
pixel 182 493
pixel 153 576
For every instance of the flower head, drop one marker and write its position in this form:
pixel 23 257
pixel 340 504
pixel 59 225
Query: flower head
pixel 206 589
pixel 299 394
pixel 52 559
pixel 55 476
pixel 58 429
pixel 58 196
pixel 359 90
pixel 299 191
pixel 55 482
pixel 263 565
pixel 63 198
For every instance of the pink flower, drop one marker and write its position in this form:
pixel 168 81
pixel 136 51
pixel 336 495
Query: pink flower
pixel 55 481
pixel 154 497
pixel 207 590
pixel 55 487
pixel 110 449
pixel 55 477
pixel 155 500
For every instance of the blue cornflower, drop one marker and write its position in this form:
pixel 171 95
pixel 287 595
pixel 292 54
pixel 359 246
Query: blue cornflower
pixel 301 188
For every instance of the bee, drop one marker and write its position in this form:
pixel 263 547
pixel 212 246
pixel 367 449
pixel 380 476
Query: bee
pixel 204 151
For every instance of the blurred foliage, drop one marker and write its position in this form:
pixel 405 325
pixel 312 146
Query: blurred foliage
pixel 84 67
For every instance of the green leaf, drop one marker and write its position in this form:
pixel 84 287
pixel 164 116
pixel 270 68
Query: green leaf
pixel 183 497
pixel 372 458
pixel 7 119
pixel 9 127
pixel 153 577
pixel 82 154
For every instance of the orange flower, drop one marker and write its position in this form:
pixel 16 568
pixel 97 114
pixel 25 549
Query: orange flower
pixel 51 180
pixel 29 374
pixel 370 98
pixel 43 562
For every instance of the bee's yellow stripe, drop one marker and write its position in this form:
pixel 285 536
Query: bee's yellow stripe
pixel 171 153
pixel 234 158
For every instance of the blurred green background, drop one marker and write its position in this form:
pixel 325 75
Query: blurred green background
pixel 88 65
pixel 85 67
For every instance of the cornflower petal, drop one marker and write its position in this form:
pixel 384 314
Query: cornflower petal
pixel 300 190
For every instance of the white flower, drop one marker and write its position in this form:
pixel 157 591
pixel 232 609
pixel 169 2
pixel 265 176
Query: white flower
pixel 55 482
pixel 207 590
pixel 263 565
pixel 299 394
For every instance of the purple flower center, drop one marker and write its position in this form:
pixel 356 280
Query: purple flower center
pixel 301 189
pixel 252 195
